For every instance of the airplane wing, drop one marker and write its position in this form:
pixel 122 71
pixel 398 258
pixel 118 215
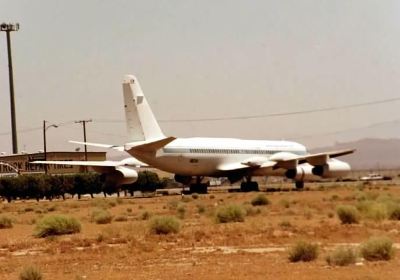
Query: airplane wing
pixel 107 146
pixel 320 158
pixel 80 163
pixel 290 162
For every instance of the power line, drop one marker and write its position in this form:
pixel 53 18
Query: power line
pixel 303 112
pixel 346 130
pixel 271 115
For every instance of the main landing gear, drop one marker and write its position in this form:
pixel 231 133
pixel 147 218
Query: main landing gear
pixel 249 186
pixel 299 185
pixel 198 187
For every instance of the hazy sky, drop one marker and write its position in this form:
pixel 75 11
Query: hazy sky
pixel 203 59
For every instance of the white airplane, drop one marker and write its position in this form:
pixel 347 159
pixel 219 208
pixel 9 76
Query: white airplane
pixel 193 159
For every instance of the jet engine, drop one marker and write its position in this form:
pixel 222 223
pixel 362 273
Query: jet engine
pixel 301 173
pixel 121 175
pixel 332 169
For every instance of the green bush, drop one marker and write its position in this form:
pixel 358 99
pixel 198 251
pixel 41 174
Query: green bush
pixel 230 213
pixel 164 225
pixel 259 200
pixel 348 214
pixel 377 212
pixel 56 225
pixel 342 257
pixel 303 251
pixel 101 216
pixel 5 222
pixel 30 273
pixel 377 249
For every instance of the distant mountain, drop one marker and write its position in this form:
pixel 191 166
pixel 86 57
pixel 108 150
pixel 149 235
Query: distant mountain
pixel 371 153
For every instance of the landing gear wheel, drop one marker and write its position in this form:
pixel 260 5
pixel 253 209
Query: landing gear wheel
pixel 299 185
pixel 249 187
pixel 198 188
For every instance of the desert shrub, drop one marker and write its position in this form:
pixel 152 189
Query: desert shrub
pixel 201 208
pixel 181 211
pixel 56 225
pixel 102 203
pixel 145 215
pixel 342 256
pixel 195 195
pixel 5 222
pixel 394 211
pixel 285 224
pixel 51 208
pixel 173 204
pixel 186 199
pixel 129 210
pixel 164 225
pixel 230 213
pixel 101 216
pixel 251 210
pixel 259 200
pixel 377 212
pixel 212 196
pixel 348 214
pixel 121 218
pixel 303 251
pixel 377 249
pixel 30 273
pixel 285 203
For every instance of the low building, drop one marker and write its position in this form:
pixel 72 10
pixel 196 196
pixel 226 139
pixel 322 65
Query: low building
pixel 22 162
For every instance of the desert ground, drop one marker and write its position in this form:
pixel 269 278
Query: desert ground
pixel 256 248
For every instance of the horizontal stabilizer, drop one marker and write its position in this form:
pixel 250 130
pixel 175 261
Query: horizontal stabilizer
pixel 149 146
pixel 107 146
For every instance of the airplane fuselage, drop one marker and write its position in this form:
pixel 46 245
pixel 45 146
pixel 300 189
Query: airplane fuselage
pixel 205 156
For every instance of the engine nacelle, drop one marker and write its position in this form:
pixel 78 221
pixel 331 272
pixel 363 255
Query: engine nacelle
pixel 121 176
pixel 301 173
pixel 333 169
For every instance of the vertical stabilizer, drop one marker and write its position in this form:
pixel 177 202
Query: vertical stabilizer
pixel 140 120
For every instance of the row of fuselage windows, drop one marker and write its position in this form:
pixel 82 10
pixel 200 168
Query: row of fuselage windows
pixel 232 151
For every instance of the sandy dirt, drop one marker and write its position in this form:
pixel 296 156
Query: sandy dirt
pixel 203 249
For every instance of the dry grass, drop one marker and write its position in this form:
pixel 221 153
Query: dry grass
pixel 290 216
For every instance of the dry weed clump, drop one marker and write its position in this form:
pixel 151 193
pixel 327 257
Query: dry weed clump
pixel 303 251
pixel 145 215
pixel 181 211
pixel 57 225
pixel 5 222
pixel 164 225
pixel 342 257
pixel 101 216
pixel 348 214
pixel 30 273
pixel 260 200
pixel 377 249
pixel 230 213
pixel 121 218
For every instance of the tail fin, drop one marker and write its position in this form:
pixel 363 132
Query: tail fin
pixel 140 120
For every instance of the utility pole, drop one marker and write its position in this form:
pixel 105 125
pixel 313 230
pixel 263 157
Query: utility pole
pixel 44 142
pixel 83 122
pixel 8 27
